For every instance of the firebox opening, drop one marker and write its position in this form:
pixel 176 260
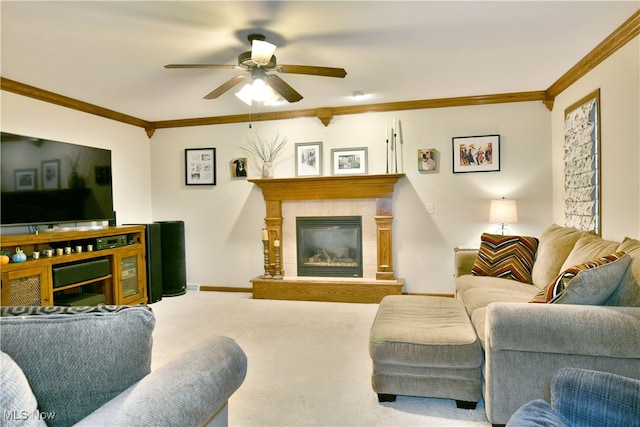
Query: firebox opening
pixel 329 246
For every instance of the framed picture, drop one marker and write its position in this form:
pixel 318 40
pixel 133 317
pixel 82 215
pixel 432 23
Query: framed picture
pixel 200 166
pixel 309 159
pixel 427 159
pixel 26 179
pixel 239 167
pixel 582 177
pixel 51 174
pixel 349 161
pixel 476 153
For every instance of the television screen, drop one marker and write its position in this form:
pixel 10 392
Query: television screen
pixel 51 182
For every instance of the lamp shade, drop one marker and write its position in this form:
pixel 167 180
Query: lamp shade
pixel 503 211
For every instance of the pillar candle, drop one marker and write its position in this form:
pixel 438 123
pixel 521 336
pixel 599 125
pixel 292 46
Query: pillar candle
pixel 265 234
pixel 276 243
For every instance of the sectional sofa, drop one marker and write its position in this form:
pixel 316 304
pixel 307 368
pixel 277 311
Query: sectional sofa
pixel 565 299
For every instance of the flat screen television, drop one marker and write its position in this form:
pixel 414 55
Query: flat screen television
pixel 53 182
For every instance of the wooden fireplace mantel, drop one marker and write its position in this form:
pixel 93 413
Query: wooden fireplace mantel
pixel 328 187
pixel 379 187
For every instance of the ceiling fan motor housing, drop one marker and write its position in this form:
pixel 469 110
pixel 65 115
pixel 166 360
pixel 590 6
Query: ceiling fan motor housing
pixel 245 60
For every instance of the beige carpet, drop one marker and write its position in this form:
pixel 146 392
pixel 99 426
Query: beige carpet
pixel 308 362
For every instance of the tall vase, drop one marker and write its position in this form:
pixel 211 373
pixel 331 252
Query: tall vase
pixel 267 170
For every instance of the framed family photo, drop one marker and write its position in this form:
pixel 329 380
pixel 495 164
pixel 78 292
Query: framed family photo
pixel 349 161
pixel 309 159
pixel 200 166
pixel 476 153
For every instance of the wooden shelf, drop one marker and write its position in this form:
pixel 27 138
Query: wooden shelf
pixel 80 284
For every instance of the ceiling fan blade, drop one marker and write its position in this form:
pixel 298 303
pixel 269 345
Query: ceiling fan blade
pixel 280 86
pixel 228 67
pixel 314 71
pixel 225 87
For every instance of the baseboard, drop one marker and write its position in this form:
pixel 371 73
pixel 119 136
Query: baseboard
pixel 224 289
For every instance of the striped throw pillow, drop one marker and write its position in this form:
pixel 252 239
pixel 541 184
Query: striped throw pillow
pixel 593 289
pixel 509 257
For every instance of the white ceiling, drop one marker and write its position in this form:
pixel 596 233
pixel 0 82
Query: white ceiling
pixel 112 53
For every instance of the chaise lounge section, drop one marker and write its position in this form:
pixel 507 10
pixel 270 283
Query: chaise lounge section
pixel 566 299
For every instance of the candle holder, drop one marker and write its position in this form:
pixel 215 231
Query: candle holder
pixel 277 273
pixel 267 274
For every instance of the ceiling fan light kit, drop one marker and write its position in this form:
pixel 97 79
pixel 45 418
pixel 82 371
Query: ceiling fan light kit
pixel 265 88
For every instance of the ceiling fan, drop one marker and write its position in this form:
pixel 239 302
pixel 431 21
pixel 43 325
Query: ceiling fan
pixel 260 60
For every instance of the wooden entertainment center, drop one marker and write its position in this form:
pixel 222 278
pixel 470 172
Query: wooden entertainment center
pixel 114 270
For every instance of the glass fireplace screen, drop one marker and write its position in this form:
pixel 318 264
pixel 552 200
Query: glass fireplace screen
pixel 329 246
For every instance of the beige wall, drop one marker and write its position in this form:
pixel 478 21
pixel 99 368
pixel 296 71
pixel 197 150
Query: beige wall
pixel 618 79
pixel 129 147
pixel 223 222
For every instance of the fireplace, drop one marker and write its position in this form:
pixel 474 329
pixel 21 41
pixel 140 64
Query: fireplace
pixel 329 246
pixel 369 196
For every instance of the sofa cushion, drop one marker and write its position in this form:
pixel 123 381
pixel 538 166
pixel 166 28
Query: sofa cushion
pixel 75 362
pixel 509 257
pixel 590 283
pixel 556 242
pixel 628 291
pixel 466 282
pixel 17 401
pixel 587 248
pixel 474 299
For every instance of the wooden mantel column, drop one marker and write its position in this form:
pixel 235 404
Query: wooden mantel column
pixel 379 187
pixel 384 236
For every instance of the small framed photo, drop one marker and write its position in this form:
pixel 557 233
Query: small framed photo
pixel 427 159
pixel 309 159
pixel 51 174
pixel 239 167
pixel 200 166
pixel 349 161
pixel 26 179
pixel 476 153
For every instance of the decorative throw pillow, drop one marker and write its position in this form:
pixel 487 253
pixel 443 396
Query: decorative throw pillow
pixel 509 257
pixel 556 242
pixel 590 283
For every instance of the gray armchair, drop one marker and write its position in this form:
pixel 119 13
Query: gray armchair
pixel 581 398
pixel 91 366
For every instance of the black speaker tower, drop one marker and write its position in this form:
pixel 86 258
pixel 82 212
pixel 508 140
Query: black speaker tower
pixel 174 263
pixel 154 262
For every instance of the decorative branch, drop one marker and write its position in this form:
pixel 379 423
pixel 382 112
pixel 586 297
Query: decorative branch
pixel 267 151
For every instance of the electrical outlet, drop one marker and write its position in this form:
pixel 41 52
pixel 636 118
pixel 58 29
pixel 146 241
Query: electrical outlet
pixel 430 207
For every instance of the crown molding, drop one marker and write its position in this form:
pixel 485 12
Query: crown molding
pixel 621 36
pixel 75 104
